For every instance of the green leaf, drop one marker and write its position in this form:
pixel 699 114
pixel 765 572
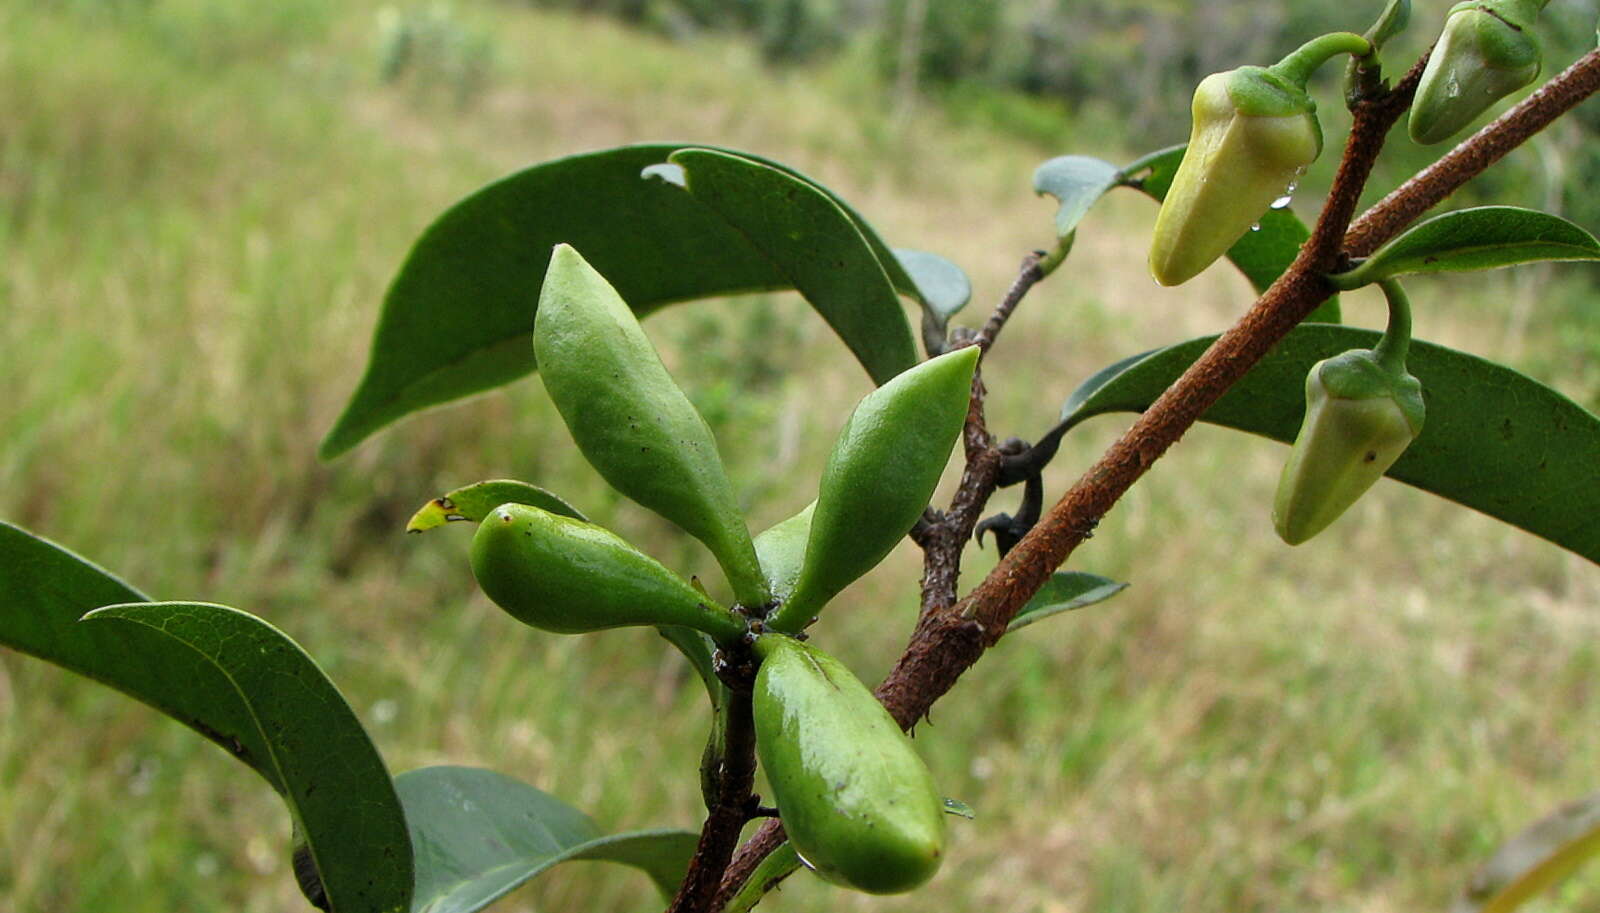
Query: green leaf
pixel 1263 254
pixel 480 835
pixel 1536 859
pixel 296 729
pixel 814 245
pixel 1063 592
pixel 1486 237
pixel 474 502
pixel 1495 440
pixel 45 590
pixel 945 290
pixel 458 317
pixel 1076 181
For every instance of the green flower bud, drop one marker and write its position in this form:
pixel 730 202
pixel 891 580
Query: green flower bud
pixel 567 576
pixel 880 475
pixel 1487 52
pixel 1359 418
pixel 857 802
pixel 632 422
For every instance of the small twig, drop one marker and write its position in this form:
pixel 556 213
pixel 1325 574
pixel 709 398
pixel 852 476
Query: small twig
pixel 1026 279
pixel 719 837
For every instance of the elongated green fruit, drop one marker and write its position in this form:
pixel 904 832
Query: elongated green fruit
pixel 1255 131
pixel 570 577
pixel 857 802
pixel 1487 52
pixel 632 422
pixel 878 480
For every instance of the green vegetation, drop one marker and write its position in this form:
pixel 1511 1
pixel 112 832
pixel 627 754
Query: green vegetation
pixel 192 191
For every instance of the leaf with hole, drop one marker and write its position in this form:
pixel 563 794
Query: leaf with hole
pixel 1064 592
pixel 1496 440
pixel 1486 237
pixel 237 681
pixel 458 317
pixel 480 835
pixel 1263 253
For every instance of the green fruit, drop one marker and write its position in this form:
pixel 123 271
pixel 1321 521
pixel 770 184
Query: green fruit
pixel 632 422
pixel 570 577
pixel 1487 52
pixel 1359 419
pixel 857 802
pixel 1254 133
pixel 782 550
pixel 883 469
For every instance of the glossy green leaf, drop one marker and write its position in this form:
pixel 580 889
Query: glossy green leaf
pixel 815 246
pixel 480 835
pixel 1536 859
pixel 1076 181
pixel 474 502
pixel 945 290
pixel 1263 253
pixel 1486 237
pixel 1495 440
pixel 458 317
pixel 1063 592
pixel 296 728
pixel 45 590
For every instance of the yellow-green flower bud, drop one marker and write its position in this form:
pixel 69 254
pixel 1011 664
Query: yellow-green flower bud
pixel 1487 52
pixel 1360 417
pixel 1255 131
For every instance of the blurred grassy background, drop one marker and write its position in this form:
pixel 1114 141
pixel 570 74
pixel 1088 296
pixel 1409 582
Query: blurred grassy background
pixel 200 206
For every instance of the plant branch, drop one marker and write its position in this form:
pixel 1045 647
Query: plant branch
pixel 1026 279
pixel 947 641
pixel 945 646
pixel 734 803
pixel 1466 161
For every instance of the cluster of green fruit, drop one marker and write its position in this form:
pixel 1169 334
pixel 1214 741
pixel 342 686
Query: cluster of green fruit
pixel 857 802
